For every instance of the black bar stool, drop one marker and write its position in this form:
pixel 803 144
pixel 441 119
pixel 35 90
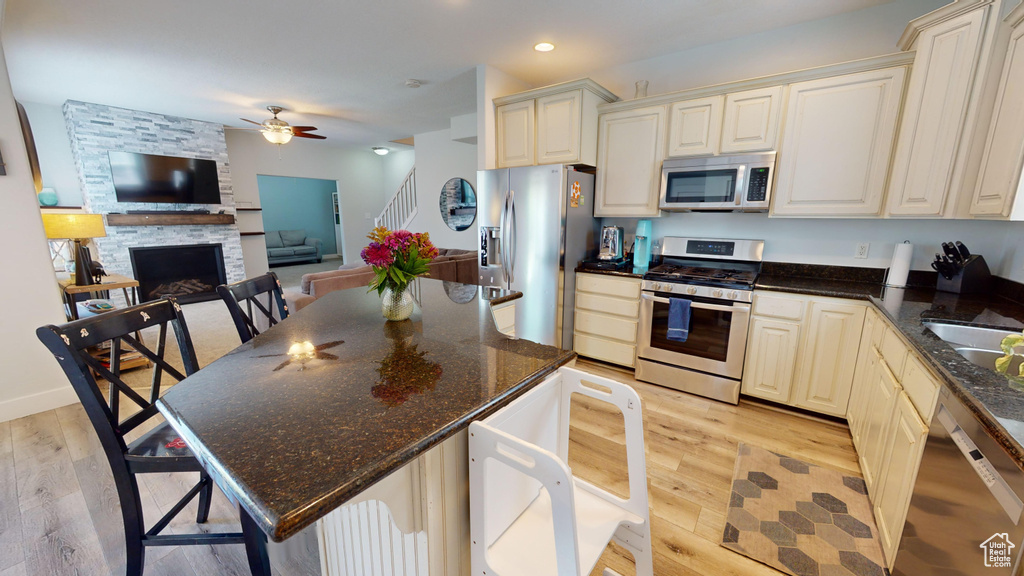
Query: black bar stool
pixel 249 291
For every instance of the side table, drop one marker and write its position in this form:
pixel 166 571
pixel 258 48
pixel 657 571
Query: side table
pixel 129 286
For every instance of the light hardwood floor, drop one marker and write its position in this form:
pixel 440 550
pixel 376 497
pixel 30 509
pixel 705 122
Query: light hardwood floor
pixel 59 512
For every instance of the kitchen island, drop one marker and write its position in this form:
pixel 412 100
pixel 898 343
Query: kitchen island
pixel 292 431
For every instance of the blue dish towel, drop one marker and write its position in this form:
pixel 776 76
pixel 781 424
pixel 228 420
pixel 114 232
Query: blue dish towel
pixel 678 319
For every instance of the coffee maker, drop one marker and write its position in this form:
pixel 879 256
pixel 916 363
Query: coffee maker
pixel 611 244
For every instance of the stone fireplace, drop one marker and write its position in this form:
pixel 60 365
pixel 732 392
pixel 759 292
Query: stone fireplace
pixel 190 273
pixel 95 129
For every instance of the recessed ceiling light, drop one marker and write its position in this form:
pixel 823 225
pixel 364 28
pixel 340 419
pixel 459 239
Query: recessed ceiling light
pixel 380 150
pixel 544 47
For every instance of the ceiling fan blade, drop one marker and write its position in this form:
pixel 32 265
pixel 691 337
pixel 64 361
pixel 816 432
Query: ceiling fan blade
pixel 303 128
pixel 251 121
pixel 307 135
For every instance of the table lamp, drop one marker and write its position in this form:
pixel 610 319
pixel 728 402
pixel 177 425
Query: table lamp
pixel 75 227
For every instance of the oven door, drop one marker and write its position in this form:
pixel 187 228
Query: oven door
pixel 717 338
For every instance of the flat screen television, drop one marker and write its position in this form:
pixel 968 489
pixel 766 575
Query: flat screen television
pixel 167 179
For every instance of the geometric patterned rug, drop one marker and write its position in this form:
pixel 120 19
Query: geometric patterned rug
pixel 800 518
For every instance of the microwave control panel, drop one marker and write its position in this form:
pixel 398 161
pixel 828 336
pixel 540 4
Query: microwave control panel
pixel 757 190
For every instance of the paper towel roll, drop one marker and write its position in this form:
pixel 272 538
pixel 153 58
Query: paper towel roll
pixel 900 267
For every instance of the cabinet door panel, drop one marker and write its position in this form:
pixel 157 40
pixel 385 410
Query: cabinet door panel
pixel 929 149
pixel 558 128
pixel 751 120
pixel 836 144
pixel 601 349
pixel 515 134
pixel 882 401
pixel 605 326
pixel 1004 150
pixel 829 356
pixel 695 126
pixel 606 305
pixel 902 450
pixel 771 359
pixel 630 151
pixel 857 410
pixel 609 286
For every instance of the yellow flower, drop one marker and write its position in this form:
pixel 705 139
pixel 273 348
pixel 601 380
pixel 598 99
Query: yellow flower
pixel 378 234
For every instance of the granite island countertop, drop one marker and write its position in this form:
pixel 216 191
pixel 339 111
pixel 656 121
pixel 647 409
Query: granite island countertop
pixel 292 438
pixel 988 394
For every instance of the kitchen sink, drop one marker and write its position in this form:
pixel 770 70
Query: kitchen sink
pixel 970 336
pixel 981 346
pixel 987 358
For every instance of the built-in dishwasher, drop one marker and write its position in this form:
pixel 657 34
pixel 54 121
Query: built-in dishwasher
pixel 965 511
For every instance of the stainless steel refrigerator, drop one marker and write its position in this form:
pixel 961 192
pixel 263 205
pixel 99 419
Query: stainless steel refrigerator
pixel 535 224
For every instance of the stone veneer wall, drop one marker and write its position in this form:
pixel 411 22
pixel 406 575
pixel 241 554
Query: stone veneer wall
pixel 94 129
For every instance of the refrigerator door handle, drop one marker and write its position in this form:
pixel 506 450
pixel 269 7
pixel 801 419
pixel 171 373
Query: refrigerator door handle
pixel 511 236
pixel 502 239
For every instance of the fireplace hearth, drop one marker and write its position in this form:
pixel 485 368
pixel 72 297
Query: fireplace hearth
pixel 190 273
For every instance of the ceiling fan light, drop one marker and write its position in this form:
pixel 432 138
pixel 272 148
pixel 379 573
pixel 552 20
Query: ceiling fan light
pixel 380 150
pixel 277 136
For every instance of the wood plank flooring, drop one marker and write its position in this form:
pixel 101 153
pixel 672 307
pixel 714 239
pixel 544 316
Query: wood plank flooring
pixel 59 512
pixel 691 447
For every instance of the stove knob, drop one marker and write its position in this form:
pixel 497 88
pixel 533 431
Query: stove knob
pixel 655 286
pixel 734 295
pixel 716 293
pixel 691 290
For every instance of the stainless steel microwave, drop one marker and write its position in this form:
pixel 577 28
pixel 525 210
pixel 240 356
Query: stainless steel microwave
pixel 741 183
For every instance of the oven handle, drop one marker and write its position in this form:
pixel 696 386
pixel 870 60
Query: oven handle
pixel 733 308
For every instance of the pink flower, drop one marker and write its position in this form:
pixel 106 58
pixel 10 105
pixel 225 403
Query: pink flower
pixel 377 255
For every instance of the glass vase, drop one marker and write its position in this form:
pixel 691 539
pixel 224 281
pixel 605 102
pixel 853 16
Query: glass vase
pixel 396 305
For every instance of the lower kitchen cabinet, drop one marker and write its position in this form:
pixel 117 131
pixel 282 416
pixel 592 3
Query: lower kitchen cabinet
pixel 803 359
pixel 891 406
pixel 606 317
pixel 901 453
pixel 771 359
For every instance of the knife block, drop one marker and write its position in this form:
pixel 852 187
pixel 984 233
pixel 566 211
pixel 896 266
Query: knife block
pixel 974 277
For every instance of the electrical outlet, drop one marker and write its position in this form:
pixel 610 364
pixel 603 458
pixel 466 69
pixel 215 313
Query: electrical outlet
pixel 862 250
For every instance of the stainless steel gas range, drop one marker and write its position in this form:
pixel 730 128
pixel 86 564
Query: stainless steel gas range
pixel 716 277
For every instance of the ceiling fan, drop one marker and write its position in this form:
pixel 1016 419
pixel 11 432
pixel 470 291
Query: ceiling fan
pixel 277 131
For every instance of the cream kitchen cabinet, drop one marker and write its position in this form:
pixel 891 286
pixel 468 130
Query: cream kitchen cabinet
pixel 695 126
pixel 606 317
pixel 802 351
pixel 952 48
pixel 997 191
pixel 901 457
pixel 836 144
pixel 516 125
pixel 893 402
pixel 551 125
pixel 751 120
pixel 771 359
pixel 631 148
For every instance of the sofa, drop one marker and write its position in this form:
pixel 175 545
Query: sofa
pixel 290 246
pixel 452 265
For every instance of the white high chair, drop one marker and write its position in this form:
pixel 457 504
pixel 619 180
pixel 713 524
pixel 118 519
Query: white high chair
pixel 528 514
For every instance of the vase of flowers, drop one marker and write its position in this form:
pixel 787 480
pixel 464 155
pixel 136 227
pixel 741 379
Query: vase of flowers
pixel 397 257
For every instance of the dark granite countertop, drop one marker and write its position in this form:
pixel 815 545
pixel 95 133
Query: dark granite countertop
pixel 626 272
pixel 292 440
pixel 988 394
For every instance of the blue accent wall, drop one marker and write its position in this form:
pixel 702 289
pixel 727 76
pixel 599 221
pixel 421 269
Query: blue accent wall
pixel 299 203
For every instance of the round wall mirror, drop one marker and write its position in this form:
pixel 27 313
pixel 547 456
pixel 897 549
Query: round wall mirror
pixel 458 204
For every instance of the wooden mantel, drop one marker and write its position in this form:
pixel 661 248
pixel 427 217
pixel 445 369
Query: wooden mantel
pixel 168 219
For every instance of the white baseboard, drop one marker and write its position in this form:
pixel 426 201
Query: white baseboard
pixel 36 403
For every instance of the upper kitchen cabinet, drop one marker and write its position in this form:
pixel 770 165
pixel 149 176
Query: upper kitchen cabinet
pixel 751 121
pixel 629 156
pixel 953 48
pixel 836 144
pixel 551 125
pixel 695 126
pixel 996 194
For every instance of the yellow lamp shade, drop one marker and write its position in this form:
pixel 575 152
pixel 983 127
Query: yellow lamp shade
pixel 73 226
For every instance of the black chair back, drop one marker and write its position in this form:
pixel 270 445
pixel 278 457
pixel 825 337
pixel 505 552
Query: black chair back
pixel 256 311
pixel 71 342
